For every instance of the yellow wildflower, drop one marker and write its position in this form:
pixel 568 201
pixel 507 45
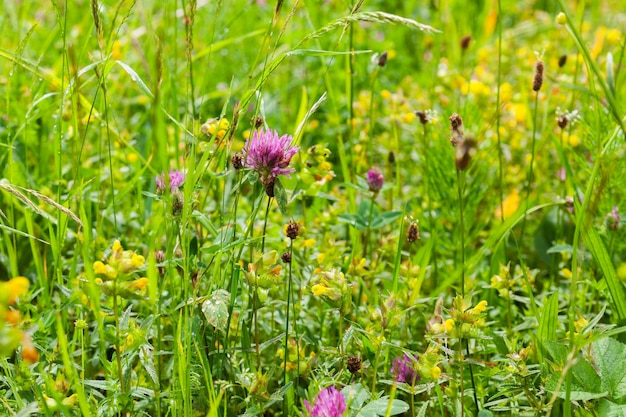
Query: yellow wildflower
pixel 435 372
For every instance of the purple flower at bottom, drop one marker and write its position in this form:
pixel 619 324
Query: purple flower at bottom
pixel 269 154
pixel 375 180
pixel 176 180
pixel 403 369
pixel 328 403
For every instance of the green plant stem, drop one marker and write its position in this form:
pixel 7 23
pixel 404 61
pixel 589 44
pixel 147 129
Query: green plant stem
pixel 529 177
pixel 500 164
pixel 369 226
pixel 267 212
pixel 431 220
pixel 118 353
pixel 460 185
pixel 370 149
pixel 581 215
pixel 287 322
pixel 461 377
pixel 471 369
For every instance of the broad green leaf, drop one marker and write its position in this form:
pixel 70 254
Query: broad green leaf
pixel 355 395
pixel 485 413
pixel 379 408
pixel 610 409
pixel 384 219
pixel 215 309
pixel 609 356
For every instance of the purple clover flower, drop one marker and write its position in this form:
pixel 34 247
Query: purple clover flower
pixel 403 369
pixel 328 403
pixel 176 180
pixel 612 219
pixel 269 155
pixel 375 180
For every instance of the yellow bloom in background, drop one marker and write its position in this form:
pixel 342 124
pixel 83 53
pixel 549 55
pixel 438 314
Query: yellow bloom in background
pixel 15 288
pixel 566 273
pixel 509 205
pixel 613 37
pixel 435 372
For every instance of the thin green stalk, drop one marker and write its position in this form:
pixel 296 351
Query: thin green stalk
pixel 431 220
pixel 287 323
pixel 581 216
pixel 370 149
pixel 369 225
pixel 267 212
pixel 460 185
pixel 529 177
pixel 500 164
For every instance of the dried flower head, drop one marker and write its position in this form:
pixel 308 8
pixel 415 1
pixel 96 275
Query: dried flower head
pixel 354 364
pixel 382 59
pixel 329 403
pixel 562 61
pixel 456 129
pixel 413 233
pixel 465 151
pixel 391 158
pixel 465 41
pixel 293 230
pixel 237 160
pixel 422 116
pixel 538 78
pixel 256 121
pixel 403 369
pixel 269 154
pixel 375 180
pixel 286 257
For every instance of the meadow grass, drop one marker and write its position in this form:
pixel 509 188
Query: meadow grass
pixel 398 263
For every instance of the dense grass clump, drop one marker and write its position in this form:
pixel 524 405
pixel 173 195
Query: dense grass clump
pixel 221 208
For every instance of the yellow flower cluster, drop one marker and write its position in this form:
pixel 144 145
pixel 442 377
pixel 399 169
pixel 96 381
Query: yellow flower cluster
pixel 120 262
pixel 10 336
pixel 215 127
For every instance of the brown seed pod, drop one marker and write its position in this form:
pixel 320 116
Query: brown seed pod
pixel 538 78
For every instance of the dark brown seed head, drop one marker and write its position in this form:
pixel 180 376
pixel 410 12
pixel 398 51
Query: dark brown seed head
pixel 256 121
pixel 382 59
pixel 391 158
pixel 413 233
pixel 293 230
pixel 538 79
pixel 464 153
pixel 422 116
pixel 456 129
pixel 562 61
pixel 286 257
pixel 237 160
pixel 354 364
pixel 562 121
pixel 465 41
